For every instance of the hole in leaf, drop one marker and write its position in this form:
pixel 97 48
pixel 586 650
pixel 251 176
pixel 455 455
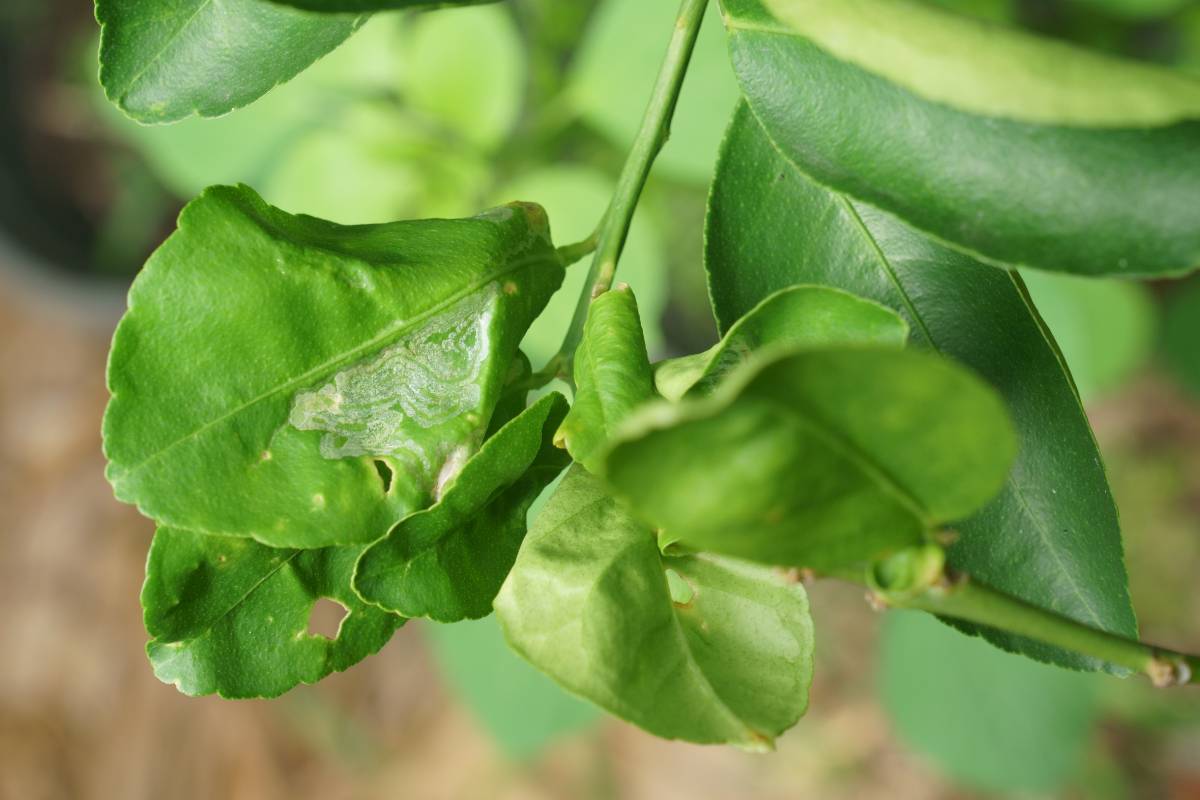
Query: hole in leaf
pixel 385 474
pixel 682 592
pixel 326 618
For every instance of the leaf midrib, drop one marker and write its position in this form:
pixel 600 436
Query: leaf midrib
pixel 208 626
pixel 886 266
pixel 305 378
pixel 141 73
pixel 702 679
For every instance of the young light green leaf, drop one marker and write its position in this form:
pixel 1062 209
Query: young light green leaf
pixel 271 367
pixel 691 647
pixel 231 616
pixel 1052 536
pixel 799 316
pixel 991 70
pixel 990 720
pixel 898 116
pixel 823 458
pixel 448 561
pixel 521 708
pixel 612 373
pixel 163 60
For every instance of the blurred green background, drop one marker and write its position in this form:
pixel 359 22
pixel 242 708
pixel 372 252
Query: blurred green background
pixel 443 114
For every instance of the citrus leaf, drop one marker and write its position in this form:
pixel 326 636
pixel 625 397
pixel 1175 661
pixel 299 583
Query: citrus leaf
pixel 231 616
pixel 163 60
pixel 1052 536
pixel 272 369
pixel 448 561
pixel 1022 151
pixel 694 648
pixel 612 372
pixel 991 70
pixel 799 316
pixel 824 458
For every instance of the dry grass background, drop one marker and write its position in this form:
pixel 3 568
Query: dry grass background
pixel 81 715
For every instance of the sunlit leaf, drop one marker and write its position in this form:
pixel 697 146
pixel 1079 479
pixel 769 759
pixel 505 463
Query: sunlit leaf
pixel 687 647
pixel 231 616
pixel 272 367
pixel 796 316
pixel 612 373
pixel 448 561
pixel 1025 151
pixel 822 458
pixel 1052 536
pixel 163 60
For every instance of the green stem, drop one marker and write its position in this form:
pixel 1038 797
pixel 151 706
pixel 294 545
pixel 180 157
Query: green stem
pixel 930 589
pixel 653 134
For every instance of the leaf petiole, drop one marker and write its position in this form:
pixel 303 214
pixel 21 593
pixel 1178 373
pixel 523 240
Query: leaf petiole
pixel 947 594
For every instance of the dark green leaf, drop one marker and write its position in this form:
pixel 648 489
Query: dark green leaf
pixel 448 562
pixel 690 647
pixel 231 616
pixel 521 708
pixel 799 316
pixel 1025 151
pixel 822 458
pixel 990 720
pixel 1052 536
pixel 271 366
pixel 612 373
pixel 163 60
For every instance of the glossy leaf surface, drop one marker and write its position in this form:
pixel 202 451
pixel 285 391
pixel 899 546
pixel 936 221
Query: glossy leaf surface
pixel 271 367
pixel 163 60
pixel 799 316
pixel 231 616
pixel 822 458
pixel 1079 194
pixel 723 656
pixel 612 373
pixel 448 561
pixel 1052 536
